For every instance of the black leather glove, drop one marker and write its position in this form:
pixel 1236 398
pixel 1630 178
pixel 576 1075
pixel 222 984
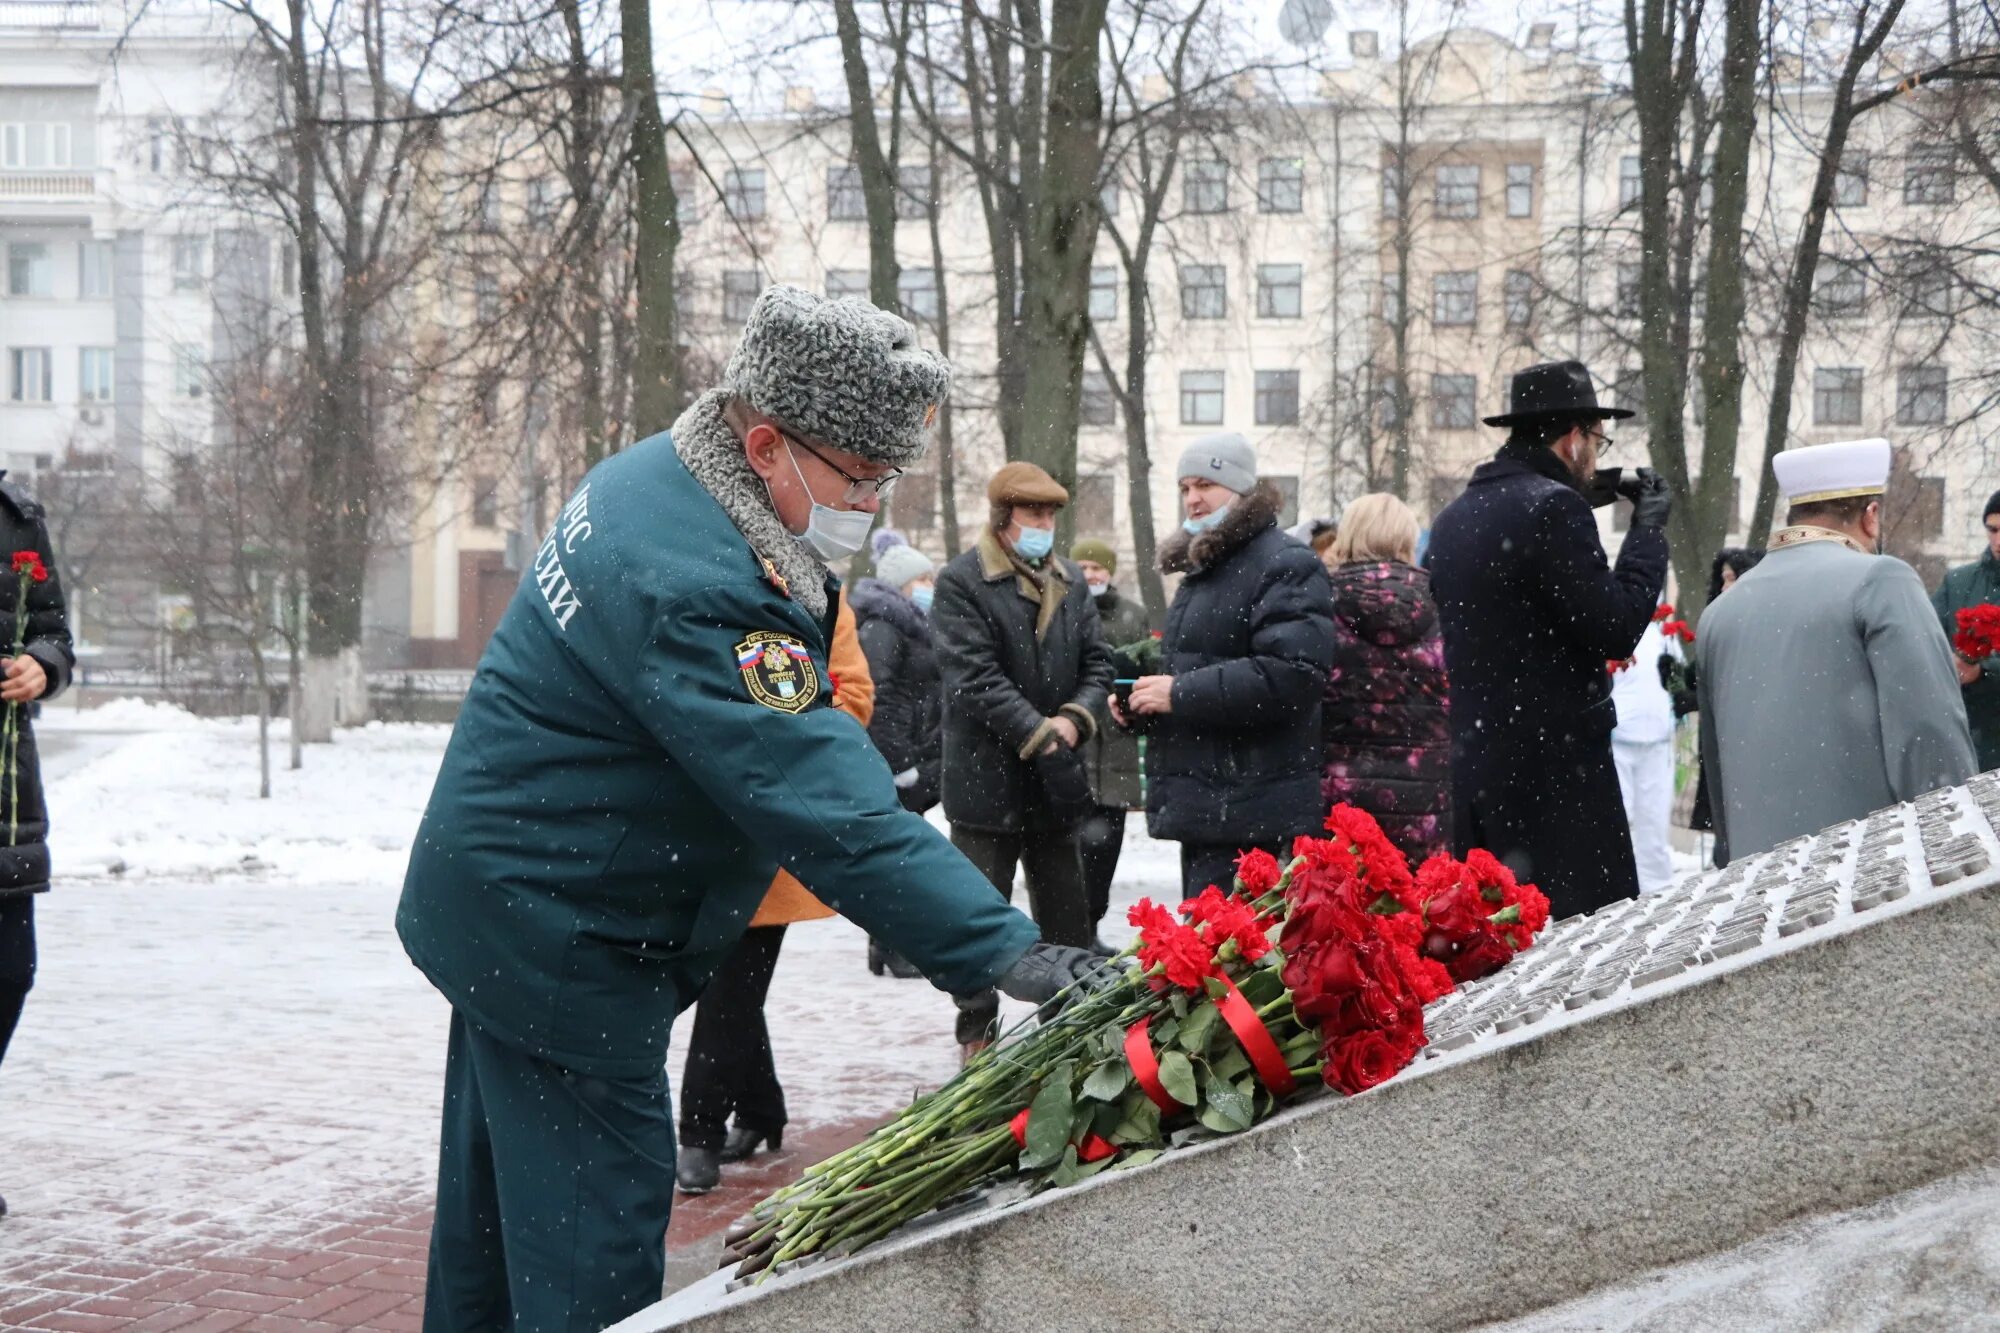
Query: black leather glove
pixel 1065 784
pixel 1046 969
pixel 1651 500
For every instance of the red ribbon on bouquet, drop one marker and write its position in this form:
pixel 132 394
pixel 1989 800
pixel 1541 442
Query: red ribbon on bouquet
pixel 1265 1057
pixel 1146 1066
pixel 1092 1149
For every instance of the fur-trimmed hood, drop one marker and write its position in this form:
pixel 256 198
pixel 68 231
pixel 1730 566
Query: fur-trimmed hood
pixel 1249 514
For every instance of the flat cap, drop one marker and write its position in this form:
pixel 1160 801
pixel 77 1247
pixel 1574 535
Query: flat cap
pixel 1020 483
pixel 842 372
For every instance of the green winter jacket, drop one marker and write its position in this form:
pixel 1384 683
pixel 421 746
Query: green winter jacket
pixel 1970 585
pixel 1113 752
pixel 648 737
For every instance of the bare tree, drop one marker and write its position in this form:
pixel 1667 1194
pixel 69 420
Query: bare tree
pixel 658 387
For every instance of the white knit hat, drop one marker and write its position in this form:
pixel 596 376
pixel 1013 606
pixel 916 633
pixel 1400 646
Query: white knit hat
pixel 899 564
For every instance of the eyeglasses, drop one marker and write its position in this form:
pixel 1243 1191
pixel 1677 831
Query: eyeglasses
pixel 859 489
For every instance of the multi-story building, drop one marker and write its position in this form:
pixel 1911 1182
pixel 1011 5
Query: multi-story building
pixel 1438 233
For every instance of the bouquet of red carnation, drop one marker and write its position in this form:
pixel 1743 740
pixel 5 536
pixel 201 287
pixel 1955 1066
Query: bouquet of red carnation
pixel 1215 1015
pixel 1978 633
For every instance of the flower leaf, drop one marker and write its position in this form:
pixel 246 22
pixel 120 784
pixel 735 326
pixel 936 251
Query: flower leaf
pixel 1232 1062
pixel 1140 1158
pixel 1197 1028
pixel 1177 1077
pixel 1066 1173
pixel 1050 1118
pixel 1107 1082
pixel 1229 1105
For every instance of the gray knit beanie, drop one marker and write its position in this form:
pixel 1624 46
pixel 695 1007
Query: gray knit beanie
pixel 1226 459
pixel 839 371
pixel 899 564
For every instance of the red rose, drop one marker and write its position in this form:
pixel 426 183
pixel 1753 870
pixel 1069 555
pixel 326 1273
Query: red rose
pixel 1360 1060
pixel 1481 956
pixel 39 574
pixel 1259 872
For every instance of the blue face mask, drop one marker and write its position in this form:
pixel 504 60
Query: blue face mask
pixel 1035 543
pixel 1206 521
pixel 921 595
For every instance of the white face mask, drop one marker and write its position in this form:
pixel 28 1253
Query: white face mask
pixel 831 534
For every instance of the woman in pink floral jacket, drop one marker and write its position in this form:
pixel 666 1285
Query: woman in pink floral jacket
pixel 1385 722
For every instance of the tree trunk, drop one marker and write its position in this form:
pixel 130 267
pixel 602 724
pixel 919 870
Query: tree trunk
pixel 657 395
pixel 583 273
pixel 947 442
pixel 878 172
pixel 294 702
pixel 1062 233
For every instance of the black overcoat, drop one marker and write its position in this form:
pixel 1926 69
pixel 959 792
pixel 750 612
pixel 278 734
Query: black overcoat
pixel 1248 641
pixel 41 625
pixel 1532 614
pixel 1004 683
pixel 908 724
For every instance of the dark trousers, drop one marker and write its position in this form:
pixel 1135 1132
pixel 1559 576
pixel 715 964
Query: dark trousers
pixel 729 1066
pixel 17 961
pixel 1206 863
pixel 1055 898
pixel 1099 839
pixel 553 1193
pixel 1560 827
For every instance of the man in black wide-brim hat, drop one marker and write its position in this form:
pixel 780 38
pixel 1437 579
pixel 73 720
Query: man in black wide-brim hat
pixel 1533 614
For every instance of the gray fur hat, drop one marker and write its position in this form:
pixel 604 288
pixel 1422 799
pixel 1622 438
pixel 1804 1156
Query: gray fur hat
pixel 842 372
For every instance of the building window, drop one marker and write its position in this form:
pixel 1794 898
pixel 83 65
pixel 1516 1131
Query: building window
pixel 743 193
pixel 844 199
pixel 288 267
pixel 915 192
pixel 1850 181
pixel 1277 397
pixel 1627 300
pixel 94 268
pixel 739 292
pixel 1920 395
pixel 847 282
pixel 1281 185
pixel 1837 396
pixel 542 205
pixel 1103 293
pixel 1628 181
pixel 190 268
pixel 1520 189
pixel 485 502
pixel 485 296
pixel 1392 298
pixel 30 271
pixel 1518 296
pixel 1930 176
pixel 93 375
pixel 159 141
pixel 1929 288
pixel 488 215
pixel 28 375
pixel 1454 298
pixel 1454 402
pixel 190 373
pixel 1099 406
pixel 1457 193
pixel 1201 398
pixel 687 199
pixel 1204 293
pixel 916 291
pixel 1392 191
pixel 1107 199
pixel 1280 290
pixel 1629 392
pixel 1205 186
pixel 1388 402
pixel 35 146
pixel 1842 289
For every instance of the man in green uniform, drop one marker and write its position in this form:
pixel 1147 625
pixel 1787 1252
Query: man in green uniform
pixel 647 739
pixel 1967 586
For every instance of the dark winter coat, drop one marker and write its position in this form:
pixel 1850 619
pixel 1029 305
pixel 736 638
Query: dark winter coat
pixel 1531 612
pixel 908 726
pixel 1248 641
pixel 1005 682
pixel 1386 721
pixel 44 631
pixel 1971 585
pixel 1113 754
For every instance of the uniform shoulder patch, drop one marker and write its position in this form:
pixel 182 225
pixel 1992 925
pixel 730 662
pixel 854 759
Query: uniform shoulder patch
pixel 778 671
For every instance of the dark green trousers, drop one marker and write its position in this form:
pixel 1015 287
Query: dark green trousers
pixel 553 1193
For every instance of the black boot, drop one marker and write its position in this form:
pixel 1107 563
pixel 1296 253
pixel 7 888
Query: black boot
pixel 743 1142
pixel 881 960
pixel 3 1207
pixel 698 1171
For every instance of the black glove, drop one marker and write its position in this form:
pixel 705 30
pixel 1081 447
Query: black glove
pixel 1651 500
pixel 1065 784
pixel 1046 969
